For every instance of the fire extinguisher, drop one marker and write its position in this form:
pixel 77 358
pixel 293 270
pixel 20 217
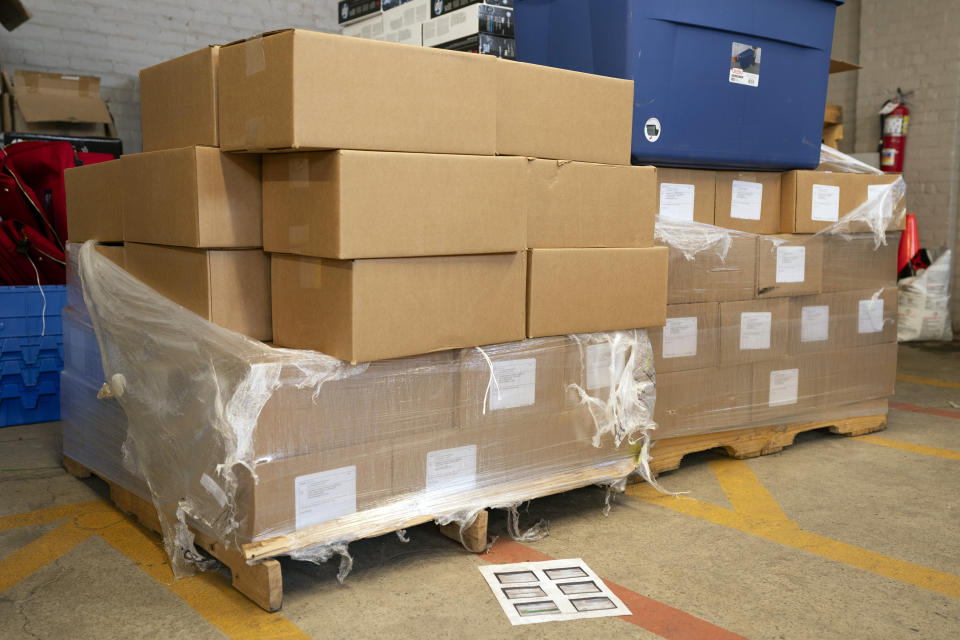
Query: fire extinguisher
pixel 895 116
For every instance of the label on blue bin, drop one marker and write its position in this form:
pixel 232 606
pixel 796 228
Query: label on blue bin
pixel 745 64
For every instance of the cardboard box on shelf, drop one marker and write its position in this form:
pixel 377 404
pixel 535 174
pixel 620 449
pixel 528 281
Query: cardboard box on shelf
pixel 370 204
pixel 813 200
pixel 230 288
pixel 466 21
pixel 687 194
pixel 754 330
pixel 192 197
pixel 390 308
pixel 710 277
pixel 350 11
pixel 578 204
pixel 689 340
pixel 56 104
pixel 178 101
pixel 94 203
pixel 586 290
pixel 748 201
pixel 703 400
pixel 855 262
pixel 484 43
pixel 789 265
pixel 409 15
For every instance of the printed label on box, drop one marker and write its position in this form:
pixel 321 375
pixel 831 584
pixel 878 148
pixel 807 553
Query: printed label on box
pixel 514 384
pixel 825 203
pixel 755 330
pixel 784 385
pixel 746 200
pixel 745 65
pixel 452 468
pixel 599 375
pixel 791 264
pixel 815 323
pixel 676 201
pixel 870 319
pixel 878 191
pixel 680 338
pixel 323 496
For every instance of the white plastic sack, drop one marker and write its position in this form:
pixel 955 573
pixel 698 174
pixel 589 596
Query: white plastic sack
pixel 924 302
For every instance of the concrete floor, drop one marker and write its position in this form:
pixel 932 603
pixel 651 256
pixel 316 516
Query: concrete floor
pixel 832 538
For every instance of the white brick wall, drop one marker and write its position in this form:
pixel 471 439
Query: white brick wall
pixel 114 39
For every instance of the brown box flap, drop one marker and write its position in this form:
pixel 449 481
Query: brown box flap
pixel 51 97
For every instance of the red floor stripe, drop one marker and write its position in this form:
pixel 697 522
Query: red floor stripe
pixel 943 413
pixel 649 614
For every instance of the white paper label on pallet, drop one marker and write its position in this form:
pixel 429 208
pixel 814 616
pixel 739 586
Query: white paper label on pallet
pixel 323 496
pixel 676 201
pixel 784 385
pixel 680 338
pixel 746 199
pixel 755 330
pixel 878 191
pixel 514 385
pixel 825 203
pixel 870 319
pixel 791 264
pixel 815 323
pixel 599 374
pixel 452 468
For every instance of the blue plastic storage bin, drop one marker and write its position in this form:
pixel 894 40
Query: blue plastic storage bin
pixel 718 83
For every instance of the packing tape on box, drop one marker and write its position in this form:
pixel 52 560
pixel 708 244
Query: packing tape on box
pixel 256 57
pixel 253 137
pixel 298 171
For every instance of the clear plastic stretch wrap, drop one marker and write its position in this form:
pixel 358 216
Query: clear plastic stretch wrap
pixel 764 330
pixel 286 452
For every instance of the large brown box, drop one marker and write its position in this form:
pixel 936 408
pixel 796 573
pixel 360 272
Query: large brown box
pixel 687 194
pixel 748 201
pixel 192 197
pixel 362 310
pixel 819 322
pixel 854 262
pixel 710 277
pixel 789 265
pixel 579 204
pixel 370 204
pixel 230 288
pixel 813 200
pixel 703 400
pixel 754 330
pixel 873 316
pixel 452 103
pixel 94 204
pixel 585 290
pixel 859 374
pixel 789 386
pixel 689 340
pixel 57 104
pixel 178 101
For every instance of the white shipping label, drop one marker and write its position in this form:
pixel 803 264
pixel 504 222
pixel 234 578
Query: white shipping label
pixel 815 324
pixel 878 191
pixel 599 374
pixel 784 385
pixel 514 384
pixel 680 338
pixel 746 199
pixel 452 468
pixel 323 496
pixel 791 264
pixel 676 201
pixel 755 330
pixel 870 319
pixel 825 203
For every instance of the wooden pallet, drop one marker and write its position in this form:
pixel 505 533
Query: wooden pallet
pixel 756 441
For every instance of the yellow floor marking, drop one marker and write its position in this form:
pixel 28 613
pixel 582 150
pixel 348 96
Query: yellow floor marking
pixel 933 382
pixel 769 522
pixel 909 446
pixel 29 559
pixel 51 514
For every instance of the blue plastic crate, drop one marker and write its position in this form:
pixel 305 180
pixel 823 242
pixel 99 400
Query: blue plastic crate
pixel 21 311
pixel 739 83
pixel 31 407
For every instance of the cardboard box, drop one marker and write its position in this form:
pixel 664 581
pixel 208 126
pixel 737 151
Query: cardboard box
pixel 702 401
pixel 859 374
pixel 440 463
pixel 711 277
pixel 469 20
pixel 409 15
pixel 350 11
pixel 485 44
pixel 689 340
pixel 94 205
pixel 586 290
pixel 370 27
pixel 787 387
pixel 60 105
pixel 873 316
pixel 178 101
pixel 390 308
pixel 192 197
pixel 754 330
pixel 748 201
pixel 578 204
pixel 230 288
pixel 370 204
pixel 814 200
pixel 687 194
pixel 789 265
pixel 819 323
pixel 853 262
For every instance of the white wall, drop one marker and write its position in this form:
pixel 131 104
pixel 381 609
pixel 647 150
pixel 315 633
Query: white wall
pixel 114 39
